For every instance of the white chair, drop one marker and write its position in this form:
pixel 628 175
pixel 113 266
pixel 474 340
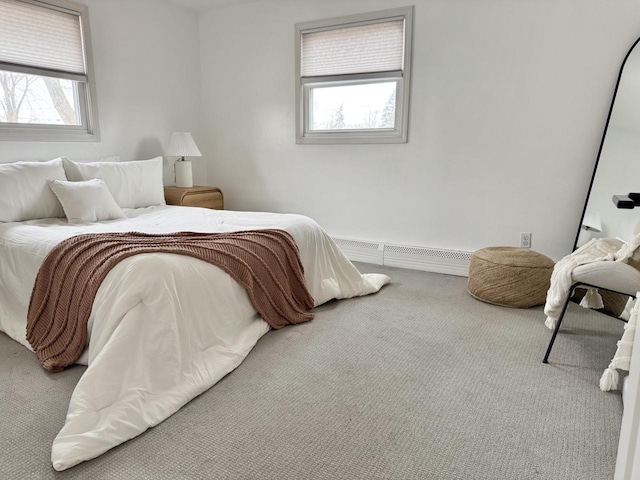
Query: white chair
pixel 615 277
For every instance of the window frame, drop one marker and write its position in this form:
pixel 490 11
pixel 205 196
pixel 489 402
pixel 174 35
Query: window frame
pixel 88 130
pixel 399 134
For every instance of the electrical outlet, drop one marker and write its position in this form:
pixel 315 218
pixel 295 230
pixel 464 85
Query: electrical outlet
pixel 525 240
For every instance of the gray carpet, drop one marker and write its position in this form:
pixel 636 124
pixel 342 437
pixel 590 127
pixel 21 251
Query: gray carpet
pixel 420 381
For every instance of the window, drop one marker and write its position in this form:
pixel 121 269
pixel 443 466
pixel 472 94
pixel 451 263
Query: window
pixel 46 77
pixel 352 78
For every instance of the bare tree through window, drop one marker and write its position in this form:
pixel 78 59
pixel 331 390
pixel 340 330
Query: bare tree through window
pixel 354 107
pixel 388 119
pixel 15 88
pixel 60 101
pixel 36 99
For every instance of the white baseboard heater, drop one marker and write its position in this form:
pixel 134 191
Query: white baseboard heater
pixel 452 262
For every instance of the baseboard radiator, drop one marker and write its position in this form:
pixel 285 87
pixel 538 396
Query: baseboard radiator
pixel 452 262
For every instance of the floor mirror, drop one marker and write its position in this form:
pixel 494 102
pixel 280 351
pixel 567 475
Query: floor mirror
pixel 617 172
pixel 617 169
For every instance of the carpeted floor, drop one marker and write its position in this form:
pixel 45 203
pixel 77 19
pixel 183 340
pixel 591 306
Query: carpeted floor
pixel 420 381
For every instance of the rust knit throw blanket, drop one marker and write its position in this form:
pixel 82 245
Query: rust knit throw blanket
pixel 265 262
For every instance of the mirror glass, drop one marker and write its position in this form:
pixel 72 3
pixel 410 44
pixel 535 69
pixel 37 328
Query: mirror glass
pixel 617 170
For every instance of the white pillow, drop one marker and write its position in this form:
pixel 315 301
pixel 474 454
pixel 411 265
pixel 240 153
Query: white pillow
pixel 134 184
pixel 87 201
pixel 111 158
pixel 24 194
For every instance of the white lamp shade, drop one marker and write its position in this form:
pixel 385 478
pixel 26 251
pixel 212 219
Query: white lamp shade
pixel 182 145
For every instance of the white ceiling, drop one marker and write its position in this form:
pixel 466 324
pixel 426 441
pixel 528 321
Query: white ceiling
pixel 206 5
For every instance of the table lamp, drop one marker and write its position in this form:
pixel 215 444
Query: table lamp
pixel 182 145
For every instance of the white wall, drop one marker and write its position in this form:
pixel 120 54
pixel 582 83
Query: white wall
pixel 147 66
pixel 509 100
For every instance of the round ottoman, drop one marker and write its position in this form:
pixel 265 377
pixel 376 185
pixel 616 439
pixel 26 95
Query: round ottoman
pixel 510 276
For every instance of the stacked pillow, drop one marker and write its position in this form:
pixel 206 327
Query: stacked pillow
pixel 87 201
pixel 83 192
pixel 25 193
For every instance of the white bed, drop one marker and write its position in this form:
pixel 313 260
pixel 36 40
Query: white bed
pixel 164 328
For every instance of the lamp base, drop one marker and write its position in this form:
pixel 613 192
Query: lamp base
pixel 184 176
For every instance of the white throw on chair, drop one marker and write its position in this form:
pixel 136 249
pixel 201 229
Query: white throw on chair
pixel 598 265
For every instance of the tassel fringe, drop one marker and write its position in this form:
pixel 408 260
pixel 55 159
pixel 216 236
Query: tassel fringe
pixel 551 323
pixel 609 379
pixel 592 299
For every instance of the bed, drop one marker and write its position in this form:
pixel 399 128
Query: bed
pixel 164 327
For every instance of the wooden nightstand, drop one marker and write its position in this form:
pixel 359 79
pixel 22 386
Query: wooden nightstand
pixel 206 197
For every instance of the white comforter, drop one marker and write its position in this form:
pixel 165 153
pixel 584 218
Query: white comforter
pixel 164 328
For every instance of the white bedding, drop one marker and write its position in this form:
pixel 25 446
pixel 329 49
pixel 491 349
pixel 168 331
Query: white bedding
pixel 164 328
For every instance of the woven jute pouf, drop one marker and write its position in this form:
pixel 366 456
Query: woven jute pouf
pixel 510 276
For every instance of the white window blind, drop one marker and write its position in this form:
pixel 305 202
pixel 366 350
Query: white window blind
pixel 376 47
pixel 40 37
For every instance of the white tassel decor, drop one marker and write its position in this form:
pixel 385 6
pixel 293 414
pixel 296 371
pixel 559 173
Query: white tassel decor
pixel 609 379
pixel 622 358
pixel 551 323
pixel 592 299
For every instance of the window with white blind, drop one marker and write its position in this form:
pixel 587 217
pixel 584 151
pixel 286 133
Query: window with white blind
pixel 352 78
pixel 46 78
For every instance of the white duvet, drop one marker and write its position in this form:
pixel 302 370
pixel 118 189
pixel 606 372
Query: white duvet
pixel 164 328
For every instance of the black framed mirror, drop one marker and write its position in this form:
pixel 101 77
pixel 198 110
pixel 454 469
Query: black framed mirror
pixel 617 168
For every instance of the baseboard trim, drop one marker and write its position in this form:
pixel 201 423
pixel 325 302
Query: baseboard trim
pixel 361 251
pixel 451 262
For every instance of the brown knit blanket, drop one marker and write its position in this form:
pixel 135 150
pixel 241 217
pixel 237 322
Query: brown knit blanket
pixel 265 262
